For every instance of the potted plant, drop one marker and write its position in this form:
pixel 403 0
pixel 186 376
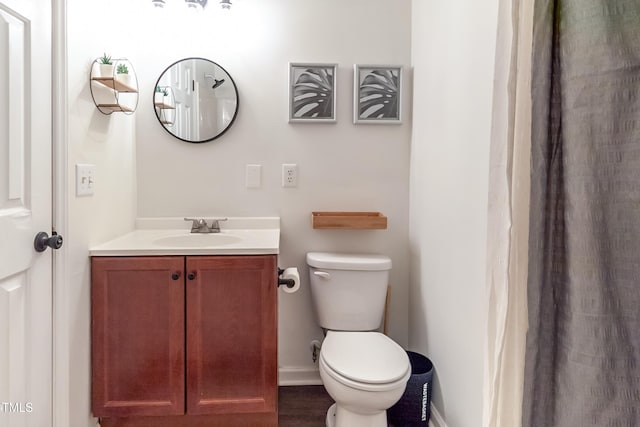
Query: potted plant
pixel 168 97
pixel 158 95
pixel 105 66
pixel 162 97
pixel 122 75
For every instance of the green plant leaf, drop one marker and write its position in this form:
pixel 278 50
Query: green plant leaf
pixel 313 94
pixel 105 59
pixel 379 95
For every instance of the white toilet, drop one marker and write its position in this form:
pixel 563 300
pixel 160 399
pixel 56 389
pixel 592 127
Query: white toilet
pixel 364 371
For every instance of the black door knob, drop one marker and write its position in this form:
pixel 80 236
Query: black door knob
pixel 43 241
pixel 191 276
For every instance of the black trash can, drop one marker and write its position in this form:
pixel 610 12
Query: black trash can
pixel 413 408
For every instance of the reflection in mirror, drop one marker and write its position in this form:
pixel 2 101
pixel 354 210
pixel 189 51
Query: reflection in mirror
pixel 195 100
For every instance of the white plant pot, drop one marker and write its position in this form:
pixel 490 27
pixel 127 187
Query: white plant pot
pixel 158 98
pixel 168 100
pixel 126 79
pixel 105 70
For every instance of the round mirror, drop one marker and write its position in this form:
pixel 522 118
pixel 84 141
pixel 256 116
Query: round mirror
pixel 195 100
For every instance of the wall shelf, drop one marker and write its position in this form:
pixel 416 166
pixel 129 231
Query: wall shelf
pixel 164 103
pixel 113 83
pixel 348 220
pixel 164 106
pixel 112 91
pixel 116 108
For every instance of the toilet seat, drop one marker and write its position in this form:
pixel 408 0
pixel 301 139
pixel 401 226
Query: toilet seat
pixel 364 360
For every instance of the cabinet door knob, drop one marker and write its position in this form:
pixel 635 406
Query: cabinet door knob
pixel 176 275
pixel 192 275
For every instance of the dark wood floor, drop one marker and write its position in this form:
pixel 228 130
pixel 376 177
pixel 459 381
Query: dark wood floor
pixel 303 406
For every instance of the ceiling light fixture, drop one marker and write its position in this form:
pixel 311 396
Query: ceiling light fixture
pixel 196 4
pixel 193 4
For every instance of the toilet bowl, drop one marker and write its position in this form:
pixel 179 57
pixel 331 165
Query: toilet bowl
pixel 365 373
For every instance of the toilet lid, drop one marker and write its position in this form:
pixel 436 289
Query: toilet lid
pixel 368 357
pixel 344 261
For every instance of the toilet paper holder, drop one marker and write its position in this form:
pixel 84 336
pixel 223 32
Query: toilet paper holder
pixel 289 283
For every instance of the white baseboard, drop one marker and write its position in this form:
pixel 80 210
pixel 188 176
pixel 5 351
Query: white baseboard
pixel 436 420
pixel 298 376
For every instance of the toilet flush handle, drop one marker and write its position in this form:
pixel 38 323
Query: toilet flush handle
pixel 322 274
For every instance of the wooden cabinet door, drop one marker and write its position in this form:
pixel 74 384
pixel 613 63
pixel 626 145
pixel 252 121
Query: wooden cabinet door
pixel 137 336
pixel 231 334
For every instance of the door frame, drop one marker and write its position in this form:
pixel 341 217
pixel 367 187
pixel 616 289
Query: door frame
pixel 60 218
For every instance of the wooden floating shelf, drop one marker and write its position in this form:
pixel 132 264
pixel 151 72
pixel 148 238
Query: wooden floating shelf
pixel 116 107
pixel 112 83
pixel 164 106
pixel 349 220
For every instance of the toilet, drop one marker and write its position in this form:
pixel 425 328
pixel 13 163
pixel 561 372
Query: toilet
pixel 363 370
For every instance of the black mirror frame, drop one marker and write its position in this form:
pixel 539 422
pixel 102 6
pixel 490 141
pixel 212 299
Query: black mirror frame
pixel 235 114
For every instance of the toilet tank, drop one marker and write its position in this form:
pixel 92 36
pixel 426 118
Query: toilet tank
pixel 348 290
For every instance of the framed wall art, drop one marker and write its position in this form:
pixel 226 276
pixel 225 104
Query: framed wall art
pixel 312 93
pixel 377 94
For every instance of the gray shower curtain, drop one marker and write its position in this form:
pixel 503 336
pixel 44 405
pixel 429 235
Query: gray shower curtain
pixel 582 364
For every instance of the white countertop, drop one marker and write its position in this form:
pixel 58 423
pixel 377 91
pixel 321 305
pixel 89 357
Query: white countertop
pixel 239 236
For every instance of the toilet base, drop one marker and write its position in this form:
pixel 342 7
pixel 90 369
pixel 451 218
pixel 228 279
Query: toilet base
pixel 341 417
pixel 331 416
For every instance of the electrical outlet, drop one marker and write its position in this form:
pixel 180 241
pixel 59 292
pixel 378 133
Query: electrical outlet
pixel 289 175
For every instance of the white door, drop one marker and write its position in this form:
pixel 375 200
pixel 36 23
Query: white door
pixel 185 86
pixel 25 209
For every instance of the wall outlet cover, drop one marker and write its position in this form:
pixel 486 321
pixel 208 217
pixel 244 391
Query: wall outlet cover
pixel 289 175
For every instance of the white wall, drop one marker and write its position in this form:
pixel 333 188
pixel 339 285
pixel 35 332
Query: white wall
pixel 453 54
pixel 108 143
pixel 341 166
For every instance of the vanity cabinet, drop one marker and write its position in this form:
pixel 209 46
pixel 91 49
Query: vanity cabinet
pixel 184 340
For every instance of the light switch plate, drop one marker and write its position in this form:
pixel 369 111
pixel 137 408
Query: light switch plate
pixel 85 179
pixel 253 176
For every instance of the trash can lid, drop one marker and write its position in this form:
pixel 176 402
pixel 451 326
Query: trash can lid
pixel 367 357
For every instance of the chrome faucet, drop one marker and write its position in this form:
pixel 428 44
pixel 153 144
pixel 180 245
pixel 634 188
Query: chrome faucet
pixel 199 225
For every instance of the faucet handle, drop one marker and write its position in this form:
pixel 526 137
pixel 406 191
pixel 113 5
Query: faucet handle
pixel 197 223
pixel 215 226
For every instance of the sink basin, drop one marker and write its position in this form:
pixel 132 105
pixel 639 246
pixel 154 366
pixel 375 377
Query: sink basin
pixel 197 240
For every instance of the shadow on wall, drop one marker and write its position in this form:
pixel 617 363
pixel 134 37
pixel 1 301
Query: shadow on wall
pixel 418 339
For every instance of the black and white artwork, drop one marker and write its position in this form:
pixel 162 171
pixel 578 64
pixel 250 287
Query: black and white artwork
pixel 377 91
pixel 312 93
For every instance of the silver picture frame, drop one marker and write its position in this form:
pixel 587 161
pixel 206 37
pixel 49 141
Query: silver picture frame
pixel 377 97
pixel 312 92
